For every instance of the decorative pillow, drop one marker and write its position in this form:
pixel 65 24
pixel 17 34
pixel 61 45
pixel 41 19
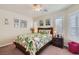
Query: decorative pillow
pixel 44 31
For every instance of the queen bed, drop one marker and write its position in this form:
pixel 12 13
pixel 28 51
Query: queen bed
pixel 34 43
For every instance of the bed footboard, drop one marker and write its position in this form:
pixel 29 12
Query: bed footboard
pixel 21 48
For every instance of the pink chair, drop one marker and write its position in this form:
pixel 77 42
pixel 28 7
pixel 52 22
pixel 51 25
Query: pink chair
pixel 73 47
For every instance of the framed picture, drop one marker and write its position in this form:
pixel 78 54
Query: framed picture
pixel 23 24
pixel 47 22
pixel 41 23
pixel 6 21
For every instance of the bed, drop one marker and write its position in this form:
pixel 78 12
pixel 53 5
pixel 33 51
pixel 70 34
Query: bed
pixel 34 43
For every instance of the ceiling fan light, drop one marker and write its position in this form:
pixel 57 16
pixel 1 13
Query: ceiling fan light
pixel 36 7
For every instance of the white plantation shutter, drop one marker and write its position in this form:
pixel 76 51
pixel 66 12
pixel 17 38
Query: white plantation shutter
pixel 78 25
pixel 74 26
pixel 59 25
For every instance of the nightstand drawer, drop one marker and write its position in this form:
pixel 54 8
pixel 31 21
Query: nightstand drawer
pixel 58 42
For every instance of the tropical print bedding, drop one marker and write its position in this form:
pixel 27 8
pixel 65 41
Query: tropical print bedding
pixel 33 41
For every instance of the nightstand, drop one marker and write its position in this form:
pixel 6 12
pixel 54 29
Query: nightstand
pixel 58 42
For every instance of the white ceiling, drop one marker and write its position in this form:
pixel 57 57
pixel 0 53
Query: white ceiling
pixel 26 9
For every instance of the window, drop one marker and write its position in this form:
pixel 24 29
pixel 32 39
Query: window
pixel 20 23
pixel 59 24
pixel 41 23
pixel 16 23
pixel 23 24
pixel 74 26
pixel 47 22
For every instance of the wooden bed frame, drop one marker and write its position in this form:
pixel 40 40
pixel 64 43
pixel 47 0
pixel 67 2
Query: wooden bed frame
pixel 38 52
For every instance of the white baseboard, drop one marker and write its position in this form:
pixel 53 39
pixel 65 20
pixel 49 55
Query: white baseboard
pixel 6 44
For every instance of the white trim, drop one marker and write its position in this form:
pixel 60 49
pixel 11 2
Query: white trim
pixel 6 44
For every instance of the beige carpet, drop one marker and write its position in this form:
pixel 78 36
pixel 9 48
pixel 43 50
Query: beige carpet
pixel 50 50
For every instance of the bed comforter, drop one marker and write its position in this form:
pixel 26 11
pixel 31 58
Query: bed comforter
pixel 34 41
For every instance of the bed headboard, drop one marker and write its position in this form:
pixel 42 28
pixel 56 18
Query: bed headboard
pixel 45 29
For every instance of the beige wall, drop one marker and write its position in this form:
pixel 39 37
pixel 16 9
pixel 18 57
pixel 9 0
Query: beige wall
pixel 7 32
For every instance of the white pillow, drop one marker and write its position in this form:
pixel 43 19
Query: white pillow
pixel 37 39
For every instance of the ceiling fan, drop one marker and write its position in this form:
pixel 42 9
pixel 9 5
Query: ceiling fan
pixel 38 7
